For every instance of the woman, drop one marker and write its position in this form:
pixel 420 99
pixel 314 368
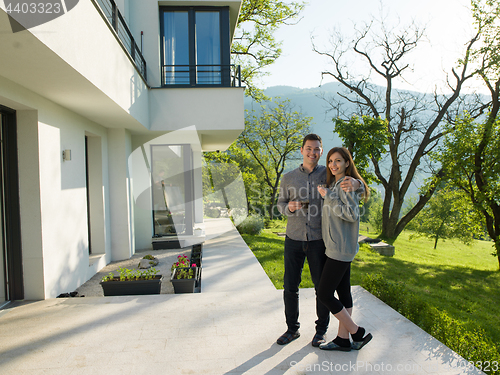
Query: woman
pixel 340 227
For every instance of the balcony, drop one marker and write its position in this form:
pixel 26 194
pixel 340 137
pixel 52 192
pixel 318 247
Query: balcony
pixel 118 24
pixel 201 75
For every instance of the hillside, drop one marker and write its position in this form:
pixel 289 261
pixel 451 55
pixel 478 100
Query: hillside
pixel 309 102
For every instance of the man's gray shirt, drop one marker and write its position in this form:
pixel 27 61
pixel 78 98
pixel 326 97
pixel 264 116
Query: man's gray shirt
pixel 300 185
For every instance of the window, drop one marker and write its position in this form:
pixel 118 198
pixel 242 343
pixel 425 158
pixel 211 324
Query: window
pixel 195 46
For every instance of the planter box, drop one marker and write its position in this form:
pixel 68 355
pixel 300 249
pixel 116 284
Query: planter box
pixel 184 285
pixel 198 279
pixel 131 287
pixel 196 255
pixel 196 260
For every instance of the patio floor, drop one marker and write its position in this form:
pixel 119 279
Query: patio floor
pixel 230 327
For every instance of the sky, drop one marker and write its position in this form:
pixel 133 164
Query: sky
pixel 448 27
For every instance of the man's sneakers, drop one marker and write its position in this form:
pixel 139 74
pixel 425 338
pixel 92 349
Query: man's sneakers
pixel 288 337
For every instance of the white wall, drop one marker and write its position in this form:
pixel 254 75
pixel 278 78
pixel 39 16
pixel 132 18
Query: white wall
pixel 206 108
pixel 144 16
pixel 92 51
pixel 52 192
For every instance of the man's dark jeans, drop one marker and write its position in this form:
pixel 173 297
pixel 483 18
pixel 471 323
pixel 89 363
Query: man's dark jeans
pixel 295 254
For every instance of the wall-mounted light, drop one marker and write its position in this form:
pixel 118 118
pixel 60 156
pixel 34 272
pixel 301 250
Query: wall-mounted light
pixel 66 155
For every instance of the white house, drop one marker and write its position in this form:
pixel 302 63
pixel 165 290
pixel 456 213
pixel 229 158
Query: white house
pixel 105 110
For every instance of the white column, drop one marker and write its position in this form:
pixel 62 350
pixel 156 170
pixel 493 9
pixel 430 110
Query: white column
pixel 30 204
pixel 198 187
pixel 120 195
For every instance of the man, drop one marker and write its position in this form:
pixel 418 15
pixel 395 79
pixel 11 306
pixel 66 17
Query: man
pixel 300 201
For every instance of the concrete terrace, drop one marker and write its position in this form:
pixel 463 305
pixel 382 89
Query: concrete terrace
pixel 229 328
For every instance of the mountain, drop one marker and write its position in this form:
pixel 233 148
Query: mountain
pixel 310 103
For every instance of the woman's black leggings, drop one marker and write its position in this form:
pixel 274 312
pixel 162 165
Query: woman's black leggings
pixel 336 276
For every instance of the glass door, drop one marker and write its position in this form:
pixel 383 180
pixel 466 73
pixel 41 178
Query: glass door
pixel 208 48
pixel 176 48
pixel 195 46
pixel 172 181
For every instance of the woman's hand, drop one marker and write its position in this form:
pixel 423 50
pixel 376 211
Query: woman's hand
pixel 322 191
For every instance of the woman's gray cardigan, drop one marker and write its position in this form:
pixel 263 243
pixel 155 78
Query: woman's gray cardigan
pixel 340 222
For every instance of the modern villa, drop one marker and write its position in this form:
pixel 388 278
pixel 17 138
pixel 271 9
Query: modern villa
pixel 105 111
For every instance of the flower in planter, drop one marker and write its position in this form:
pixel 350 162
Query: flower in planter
pixel 185 269
pixel 182 261
pixel 185 273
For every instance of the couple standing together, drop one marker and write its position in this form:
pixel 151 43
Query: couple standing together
pixel 322 206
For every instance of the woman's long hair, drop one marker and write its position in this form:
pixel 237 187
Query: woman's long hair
pixel 351 170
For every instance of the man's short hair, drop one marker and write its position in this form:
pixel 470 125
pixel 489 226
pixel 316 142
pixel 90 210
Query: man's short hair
pixel 312 137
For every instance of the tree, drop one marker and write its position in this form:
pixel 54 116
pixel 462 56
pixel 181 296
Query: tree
pixel 414 121
pixel 272 137
pixel 471 151
pixel 470 157
pixel 364 140
pixel 372 210
pixel 221 169
pixel 447 215
pixel 254 45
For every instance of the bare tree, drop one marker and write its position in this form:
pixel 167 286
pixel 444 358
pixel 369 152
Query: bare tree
pixel 414 121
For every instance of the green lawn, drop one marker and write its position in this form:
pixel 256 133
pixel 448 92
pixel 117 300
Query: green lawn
pixel 458 279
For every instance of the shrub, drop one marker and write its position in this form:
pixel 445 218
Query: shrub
pixel 238 215
pixel 253 224
pixel 277 222
pixel 212 212
pixel 474 346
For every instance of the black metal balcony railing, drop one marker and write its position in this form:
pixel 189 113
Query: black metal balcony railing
pixel 201 75
pixel 117 22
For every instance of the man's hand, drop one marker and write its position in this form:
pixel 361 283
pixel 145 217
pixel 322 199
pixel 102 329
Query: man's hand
pixel 294 206
pixel 350 184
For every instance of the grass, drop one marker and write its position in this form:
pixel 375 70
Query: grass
pixel 461 280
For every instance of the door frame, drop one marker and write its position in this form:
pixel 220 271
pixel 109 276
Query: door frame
pixel 11 213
